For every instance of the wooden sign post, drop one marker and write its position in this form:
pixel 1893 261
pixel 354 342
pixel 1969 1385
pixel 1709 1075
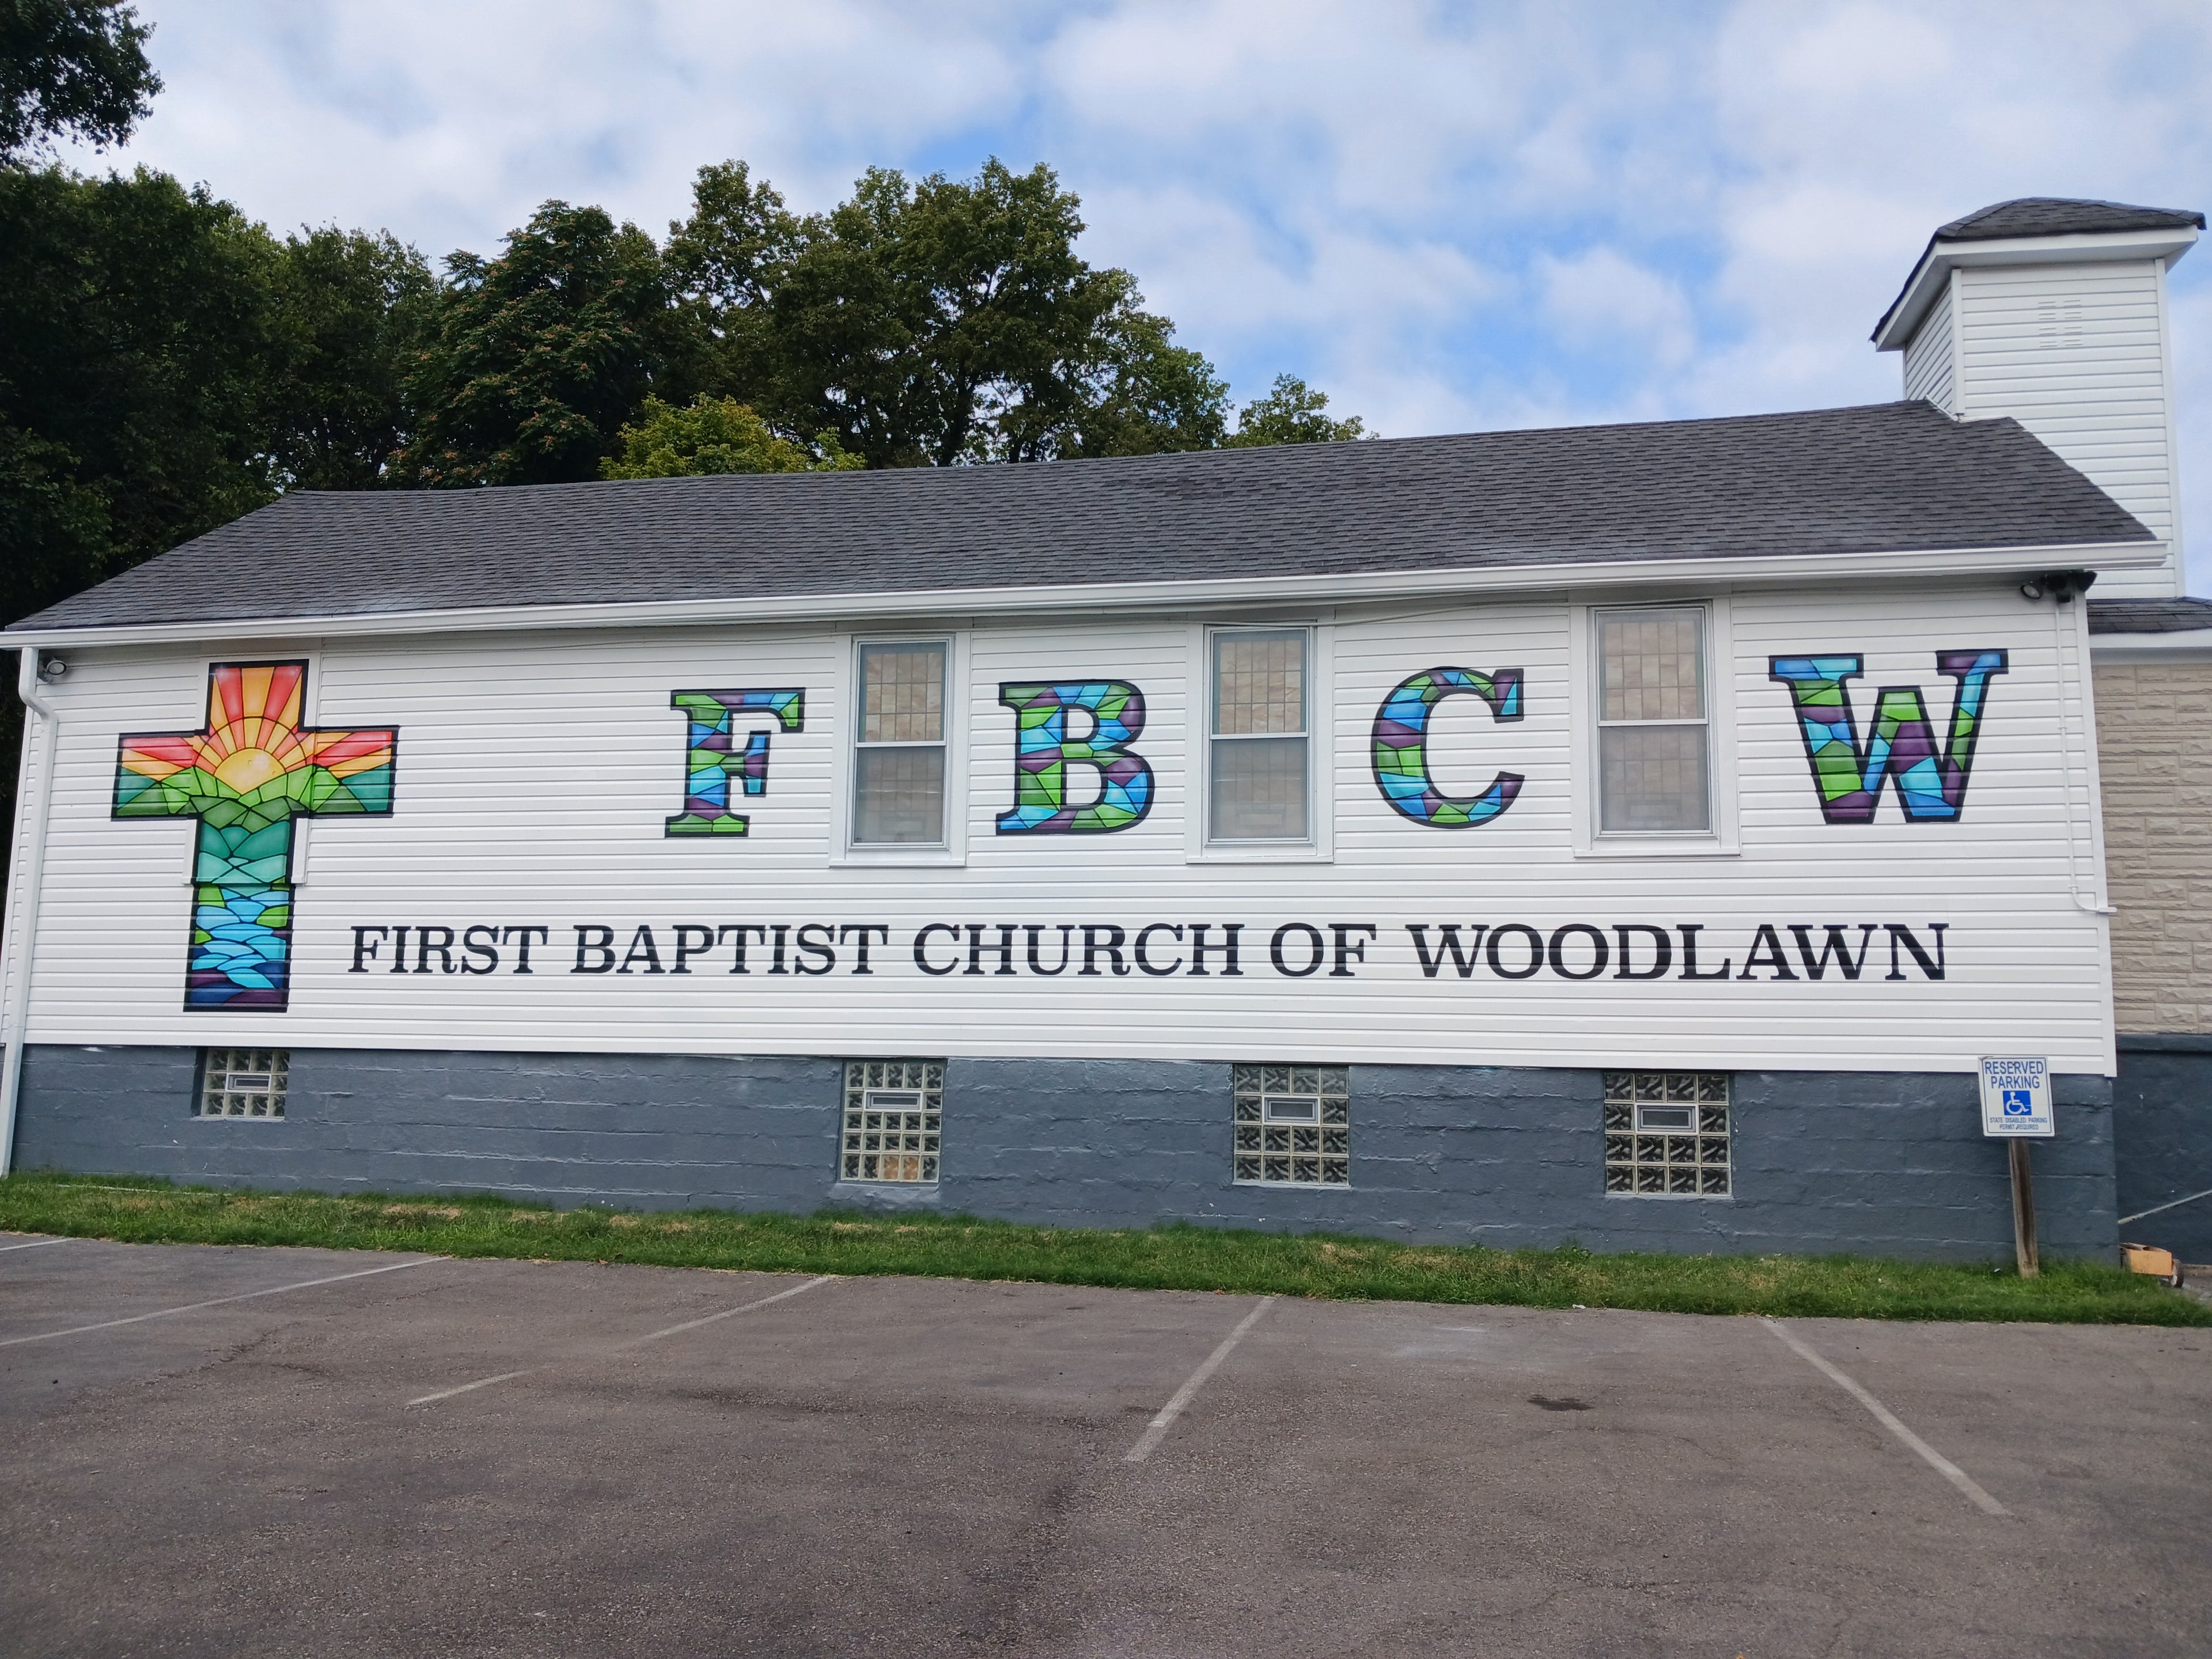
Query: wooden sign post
pixel 2016 1107
pixel 2023 1213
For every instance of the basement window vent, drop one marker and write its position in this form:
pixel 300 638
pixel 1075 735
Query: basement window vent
pixel 242 1082
pixel 894 1115
pixel 1293 1125
pixel 1667 1134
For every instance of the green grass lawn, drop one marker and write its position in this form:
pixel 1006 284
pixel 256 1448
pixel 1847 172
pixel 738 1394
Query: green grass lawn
pixel 1158 1258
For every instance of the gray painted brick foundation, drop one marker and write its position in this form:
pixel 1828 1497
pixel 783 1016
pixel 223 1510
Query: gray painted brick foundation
pixel 1880 1163
pixel 2162 1129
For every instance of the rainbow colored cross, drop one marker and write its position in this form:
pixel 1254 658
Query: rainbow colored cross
pixel 247 778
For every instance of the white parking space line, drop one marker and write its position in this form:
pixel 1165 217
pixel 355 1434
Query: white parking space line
pixel 623 1346
pixel 1935 1460
pixel 1157 1430
pixel 481 1382
pixel 32 1245
pixel 219 1300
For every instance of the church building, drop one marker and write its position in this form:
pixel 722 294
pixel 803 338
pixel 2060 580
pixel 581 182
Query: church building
pixel 1638 834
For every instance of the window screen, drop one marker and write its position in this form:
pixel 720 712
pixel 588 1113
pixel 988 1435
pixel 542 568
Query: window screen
pixel 898 772
pixel 1654 739
pixel 1259 757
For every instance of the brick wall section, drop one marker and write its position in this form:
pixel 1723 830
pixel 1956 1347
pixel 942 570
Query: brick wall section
pixel 2154 739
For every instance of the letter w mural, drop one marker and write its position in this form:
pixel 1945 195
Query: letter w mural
pixel 1931 785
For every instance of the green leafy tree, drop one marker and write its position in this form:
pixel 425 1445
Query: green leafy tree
pixel 724 265
pixel 1292 413
pixel 1148 395
pixel 943 321
pixel 71 66
pixel 137 325
pixel 934 322
pixel 540 354
pixel 710 435
pixel 352 311
pixel 137 329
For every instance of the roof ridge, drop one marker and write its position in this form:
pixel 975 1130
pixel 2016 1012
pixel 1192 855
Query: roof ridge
pixel 2085 208
pixel 1221 455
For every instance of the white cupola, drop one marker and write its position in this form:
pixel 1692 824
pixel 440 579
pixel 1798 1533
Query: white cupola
pixel 2054 312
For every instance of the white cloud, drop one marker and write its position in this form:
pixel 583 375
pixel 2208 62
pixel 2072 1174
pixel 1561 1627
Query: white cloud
pixel 1597 301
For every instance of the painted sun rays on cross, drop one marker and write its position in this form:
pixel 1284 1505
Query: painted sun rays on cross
pixel 247 777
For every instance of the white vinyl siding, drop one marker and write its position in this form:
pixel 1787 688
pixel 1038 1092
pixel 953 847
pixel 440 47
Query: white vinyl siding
pixel 2075 354
pixel 1928 358
pixel 535 772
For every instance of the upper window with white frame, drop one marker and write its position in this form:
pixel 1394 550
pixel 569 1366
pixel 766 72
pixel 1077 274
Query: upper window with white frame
pixel 1654 721
pixel 1260 758
pixel 900 758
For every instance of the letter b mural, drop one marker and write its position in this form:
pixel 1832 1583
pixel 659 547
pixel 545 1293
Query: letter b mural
pixel 1043 750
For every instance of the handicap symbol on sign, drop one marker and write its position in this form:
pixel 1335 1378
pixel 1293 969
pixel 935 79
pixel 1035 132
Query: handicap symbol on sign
pixel 2018 1102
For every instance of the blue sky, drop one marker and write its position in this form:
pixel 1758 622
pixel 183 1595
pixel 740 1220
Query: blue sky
pixel 1449 216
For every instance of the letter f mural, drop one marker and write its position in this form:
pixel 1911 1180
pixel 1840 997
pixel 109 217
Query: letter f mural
pixel 1931 785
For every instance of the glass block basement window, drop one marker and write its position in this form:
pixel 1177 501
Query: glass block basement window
pixel 1667 1134
pixel 894 1114
pixel 1293 1124
pixel 242 1082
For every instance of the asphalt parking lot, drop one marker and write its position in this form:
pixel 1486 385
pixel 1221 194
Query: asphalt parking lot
pixel 233 1451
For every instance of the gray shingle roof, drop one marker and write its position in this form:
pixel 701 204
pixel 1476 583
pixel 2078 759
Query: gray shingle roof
pixel 2148 615
pixel 1881 477
pixel 2038 215
pixel 2060 215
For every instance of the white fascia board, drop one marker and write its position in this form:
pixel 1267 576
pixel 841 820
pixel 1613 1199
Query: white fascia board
pixel 1929 277
pixel 1126 598
pixel 2188 646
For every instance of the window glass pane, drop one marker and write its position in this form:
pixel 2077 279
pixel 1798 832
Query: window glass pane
pixel 1259 789
pixel 895 1133
pixel 1654 777
pixel 1653 663
pixel 1655 1148
pixel 1305 1139
pixel 1260 683
pixel 243 1082
pixel 899 795
pixel 902 693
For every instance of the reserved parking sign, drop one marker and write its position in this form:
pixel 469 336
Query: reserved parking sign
pixel 2016 1098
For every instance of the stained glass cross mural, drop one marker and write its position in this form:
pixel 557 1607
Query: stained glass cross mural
pixel 248 777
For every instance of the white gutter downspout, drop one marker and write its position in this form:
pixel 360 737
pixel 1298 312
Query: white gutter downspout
pixel 2068 621
pixel 23 920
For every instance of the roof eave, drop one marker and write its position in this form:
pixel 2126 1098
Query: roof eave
pixel 2188 645
pixel 1898 323
pixel 1123 597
